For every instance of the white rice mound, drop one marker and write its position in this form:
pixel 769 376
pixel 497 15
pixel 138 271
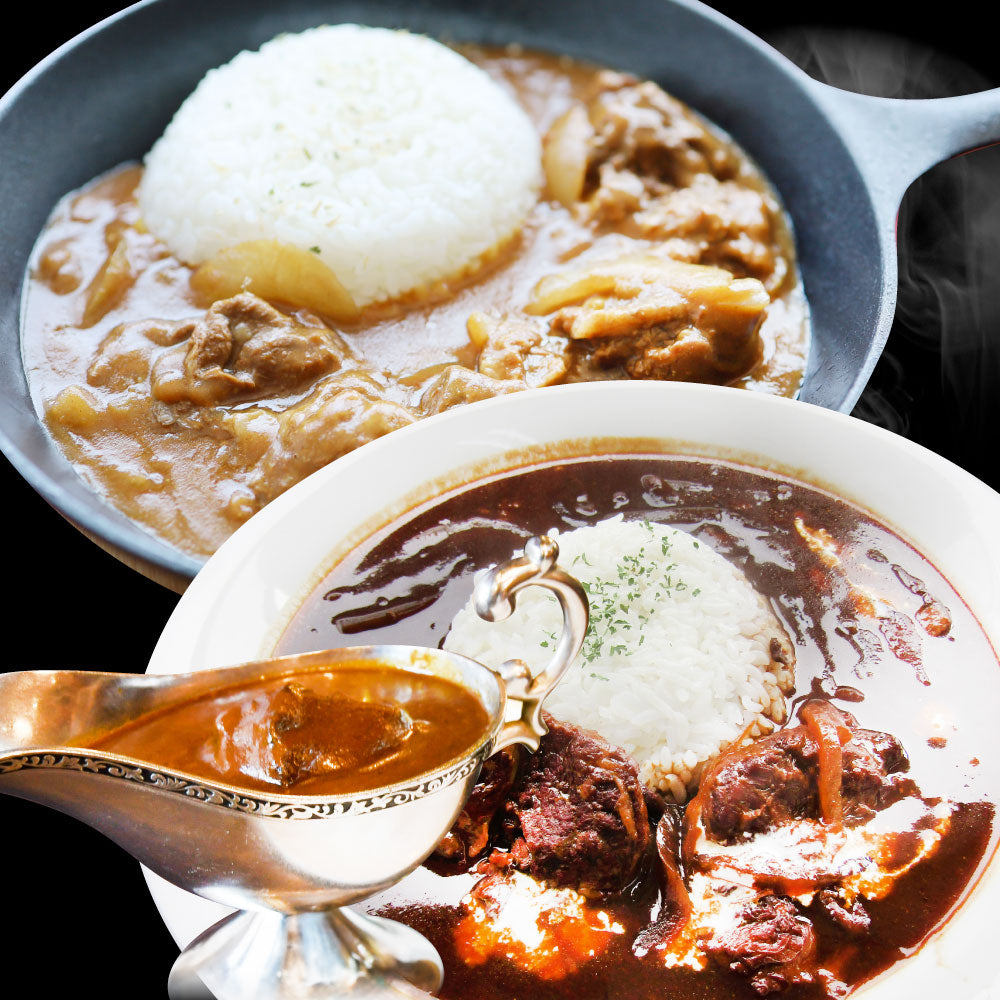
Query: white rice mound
pixel 677 663
pixel 394 158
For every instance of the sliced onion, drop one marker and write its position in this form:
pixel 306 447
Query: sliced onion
pixel 565 154
pixel 277 272
pixel 827 726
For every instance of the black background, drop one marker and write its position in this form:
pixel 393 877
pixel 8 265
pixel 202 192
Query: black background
pixel 73 908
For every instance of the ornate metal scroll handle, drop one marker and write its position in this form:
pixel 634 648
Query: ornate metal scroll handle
pixel 494 599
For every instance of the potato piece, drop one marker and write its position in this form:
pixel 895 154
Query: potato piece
pixel 76 409
pixel 276 272
pixel 479 326
pixel 565 155
pixel 59 269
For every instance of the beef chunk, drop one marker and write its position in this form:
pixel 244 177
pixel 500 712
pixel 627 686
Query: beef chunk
pixel 578 814
pixel 656 317
pixel 771 943
pixel 574 813
pixel 513 348
pixel 850 916
pixel 679 353
pixel 457 385
pixel 634 155
pixel 341 413
pixel 776 780
pixel 724 223
pixel 123 357
pixel 277 359
pixel 469 837
pixel 873 774
pixel 243 348
pixel 289 736
pixel 638 129
pixel 760 787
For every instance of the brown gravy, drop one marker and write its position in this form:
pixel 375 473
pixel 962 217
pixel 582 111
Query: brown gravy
pixel 878 632
pixel 105 305
pixel 323 732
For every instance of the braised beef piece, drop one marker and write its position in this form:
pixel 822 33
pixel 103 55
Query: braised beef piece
pixel 457 385
pixel 654 317
pixel 639 130
pixel 851 917
pixel 243 348
pixel 341 412
pixel 573 813
pixel 756 789
pixel 577 815
pixel 873 775
pixel 724 223
pixel 651 163
pixel 470 835
pixel 776 779
pixel 680 353
pixel 772 943
pixel 299 742
pixel 513 348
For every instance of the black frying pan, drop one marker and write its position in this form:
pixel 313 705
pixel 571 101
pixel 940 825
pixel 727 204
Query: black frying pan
pixel 841 162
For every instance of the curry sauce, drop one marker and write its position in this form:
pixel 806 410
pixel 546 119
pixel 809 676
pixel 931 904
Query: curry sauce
pixel 347 729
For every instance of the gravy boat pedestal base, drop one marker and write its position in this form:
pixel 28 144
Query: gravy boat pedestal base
pixel 306 956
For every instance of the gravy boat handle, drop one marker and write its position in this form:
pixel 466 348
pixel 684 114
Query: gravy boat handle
pixel 495 599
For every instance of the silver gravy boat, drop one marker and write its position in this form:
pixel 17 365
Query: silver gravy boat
pixel 287 863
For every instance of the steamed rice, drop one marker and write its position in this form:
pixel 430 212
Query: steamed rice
pixel 678 662
pixel 392 157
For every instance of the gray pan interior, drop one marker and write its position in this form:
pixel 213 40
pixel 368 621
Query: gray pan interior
pixel 839 162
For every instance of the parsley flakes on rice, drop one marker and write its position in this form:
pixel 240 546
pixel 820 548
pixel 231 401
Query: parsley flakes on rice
pixel 682 657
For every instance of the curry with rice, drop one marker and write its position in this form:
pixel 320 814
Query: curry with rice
pixel 805 861
pixel 190 396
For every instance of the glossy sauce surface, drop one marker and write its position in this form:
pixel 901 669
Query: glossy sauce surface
pixel 322 732
pixel 877 630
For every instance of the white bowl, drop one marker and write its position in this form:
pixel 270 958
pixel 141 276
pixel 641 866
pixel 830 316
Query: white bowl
pixel 237 605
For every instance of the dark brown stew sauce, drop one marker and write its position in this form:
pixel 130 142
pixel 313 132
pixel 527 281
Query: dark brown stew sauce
pixel 878 632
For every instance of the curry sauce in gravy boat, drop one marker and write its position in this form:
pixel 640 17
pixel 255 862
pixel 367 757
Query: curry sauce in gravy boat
pixel 114 750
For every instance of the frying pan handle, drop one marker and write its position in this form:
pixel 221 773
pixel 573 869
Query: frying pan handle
pixel 894 141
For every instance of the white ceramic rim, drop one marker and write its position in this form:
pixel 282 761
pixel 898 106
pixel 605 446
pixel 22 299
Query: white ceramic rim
pixel 233 608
